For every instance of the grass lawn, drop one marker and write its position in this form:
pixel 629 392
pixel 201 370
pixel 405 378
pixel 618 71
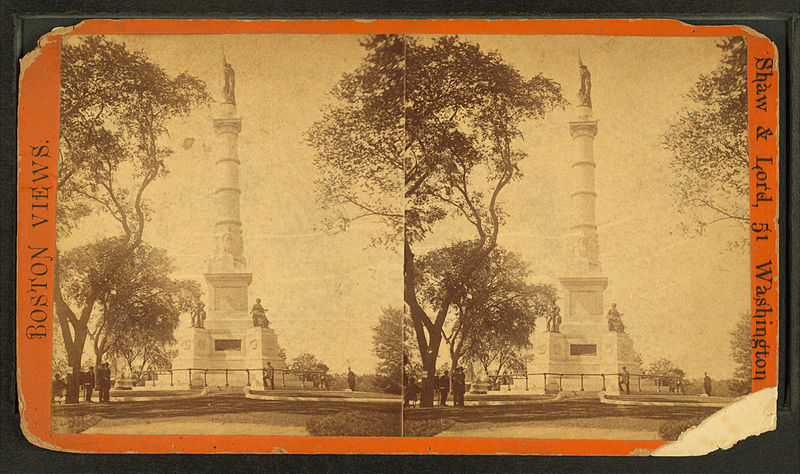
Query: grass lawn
pixel 569 419
pixel 223 414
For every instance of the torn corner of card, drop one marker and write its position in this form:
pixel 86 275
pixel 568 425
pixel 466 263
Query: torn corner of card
pixel 748 416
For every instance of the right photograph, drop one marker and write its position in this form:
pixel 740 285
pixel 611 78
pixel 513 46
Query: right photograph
pixel 576 247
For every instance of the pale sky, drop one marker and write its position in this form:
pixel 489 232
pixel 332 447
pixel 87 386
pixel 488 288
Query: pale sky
pixel 679 295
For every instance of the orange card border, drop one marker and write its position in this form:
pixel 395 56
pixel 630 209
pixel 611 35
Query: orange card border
pixel 37 148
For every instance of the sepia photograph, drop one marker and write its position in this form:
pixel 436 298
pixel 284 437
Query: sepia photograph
pixel 576 245
pixel 204 283
pixel 506 236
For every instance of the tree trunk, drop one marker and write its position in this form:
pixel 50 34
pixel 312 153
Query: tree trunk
pixel 73 382
pixel 428 381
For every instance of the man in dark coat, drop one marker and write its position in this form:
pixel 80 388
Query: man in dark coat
pixel 269 376
pixel 104 382
pixel 625 379
pixel 444 388
pixel 58 388
pixel 351 379
pixel 88 383
pixel 459 387
pixel 707 384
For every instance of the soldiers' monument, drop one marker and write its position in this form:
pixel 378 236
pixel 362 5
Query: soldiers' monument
pixel 230 337
pixel 587 342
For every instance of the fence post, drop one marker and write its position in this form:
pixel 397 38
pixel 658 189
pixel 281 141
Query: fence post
pixel 581 382
pixel 226 377
pixel 604 381
pixel 205 378
pixel 248 376
pixel 283 378
pixel 544 387
pixel 170 378
pixel 560 387
pixel 640 382
pixel 526 382
pixel 263 376
pixel 190 378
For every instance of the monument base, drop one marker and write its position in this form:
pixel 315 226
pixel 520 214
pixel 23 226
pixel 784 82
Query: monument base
pixel 580 362
pixel 221 357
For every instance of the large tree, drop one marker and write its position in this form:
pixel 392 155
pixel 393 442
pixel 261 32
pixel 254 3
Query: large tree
pixel 115 104
pixel 664 371
pixel 423 130
pixel 307 365
pixel 709 143
pixel 387 340
pixel 138 313
pixel 493 310
pixel 742 354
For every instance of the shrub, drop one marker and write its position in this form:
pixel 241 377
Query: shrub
pixel 670 430
pixel 355 423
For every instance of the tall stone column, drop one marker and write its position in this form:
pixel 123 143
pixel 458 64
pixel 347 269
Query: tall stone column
pixel 583 344
pixel 584 283
pixel 227 276
pixel 583 242
pixel 227 349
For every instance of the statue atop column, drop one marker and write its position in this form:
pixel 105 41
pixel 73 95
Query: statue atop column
pixel 259 315
pixel 228 92
pixel 614 318
pixel 585 93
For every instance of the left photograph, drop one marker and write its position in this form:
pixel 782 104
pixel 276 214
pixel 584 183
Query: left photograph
pixel 219 268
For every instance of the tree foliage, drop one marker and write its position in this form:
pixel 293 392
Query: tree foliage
pixel 709 142
pixel 423 130
pixel 741 353
pixel 306 363
pixel 387 340
pixel 140 313
pixel 494 310
pixel 664 368
pixel 115 105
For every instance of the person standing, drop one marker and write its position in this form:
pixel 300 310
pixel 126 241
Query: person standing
pixel 269 376
pixel 444 388
pixel 351 380
pixel 707 383
pixel 58 388
pixel 459 387
pixel 88 383
pixel 104 382
pixel 625 379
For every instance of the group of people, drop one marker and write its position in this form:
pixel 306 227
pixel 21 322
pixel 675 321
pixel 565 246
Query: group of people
pixel 88 380
pixel 457 384
pixel 444 383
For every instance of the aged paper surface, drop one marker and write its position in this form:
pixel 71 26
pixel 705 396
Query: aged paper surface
pixel 398 236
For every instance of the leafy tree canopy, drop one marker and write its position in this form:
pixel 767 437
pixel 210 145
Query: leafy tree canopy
pixel 306 362
pixel 387 340
pixel 709 142
pixel 741 353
